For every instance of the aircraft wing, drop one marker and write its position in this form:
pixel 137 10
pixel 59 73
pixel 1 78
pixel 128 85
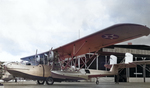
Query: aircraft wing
pixel 106 37
pixel 94 42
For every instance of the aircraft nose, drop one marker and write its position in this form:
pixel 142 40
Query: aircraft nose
pixel 4 67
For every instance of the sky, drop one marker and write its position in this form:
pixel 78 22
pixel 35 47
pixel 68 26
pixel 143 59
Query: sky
pixel 30 25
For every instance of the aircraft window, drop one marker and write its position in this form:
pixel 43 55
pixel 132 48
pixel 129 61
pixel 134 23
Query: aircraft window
pixel 25 63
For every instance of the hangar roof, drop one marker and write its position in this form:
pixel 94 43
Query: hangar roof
pixel 141 47
pixel 120 50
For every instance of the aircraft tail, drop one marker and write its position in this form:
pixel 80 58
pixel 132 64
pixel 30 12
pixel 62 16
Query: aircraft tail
pixel 113 61
pixel 128 63
pixel 113 66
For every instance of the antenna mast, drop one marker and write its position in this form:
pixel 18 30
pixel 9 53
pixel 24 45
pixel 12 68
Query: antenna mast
pixel 79 33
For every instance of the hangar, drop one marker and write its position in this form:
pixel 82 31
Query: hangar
pixel 140 52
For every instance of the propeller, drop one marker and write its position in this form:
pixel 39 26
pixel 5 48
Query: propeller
pixel 51 55
pixel 36 59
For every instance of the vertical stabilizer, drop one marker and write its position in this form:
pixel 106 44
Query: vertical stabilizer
pixel 128 58
pixel 113 59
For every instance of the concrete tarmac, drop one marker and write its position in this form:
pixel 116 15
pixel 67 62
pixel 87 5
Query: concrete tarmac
pixel 32 84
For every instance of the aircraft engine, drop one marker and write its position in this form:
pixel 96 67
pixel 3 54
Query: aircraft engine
pixel 51 56
pixel 38 59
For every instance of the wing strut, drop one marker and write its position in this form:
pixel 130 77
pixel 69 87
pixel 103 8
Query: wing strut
pixel 74 54
pixel 91 62
pixel 90 58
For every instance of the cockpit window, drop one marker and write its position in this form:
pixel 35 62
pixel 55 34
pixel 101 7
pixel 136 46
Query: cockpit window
pixel 28 63
pixel 25 63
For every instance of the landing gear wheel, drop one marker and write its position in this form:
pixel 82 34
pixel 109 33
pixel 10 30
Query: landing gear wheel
pixel 40 82
pixel 49 81
pixel 97 82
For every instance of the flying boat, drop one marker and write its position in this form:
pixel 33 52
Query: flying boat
pixel 51 66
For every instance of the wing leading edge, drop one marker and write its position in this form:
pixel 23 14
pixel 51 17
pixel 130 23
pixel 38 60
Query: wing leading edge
pixel 106 37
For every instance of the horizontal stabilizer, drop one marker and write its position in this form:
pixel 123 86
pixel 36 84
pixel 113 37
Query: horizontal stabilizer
pixel 142 62
pixel 121 65
pixel 129 65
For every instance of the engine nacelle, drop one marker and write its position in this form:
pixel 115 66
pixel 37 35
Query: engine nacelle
pixel 51 56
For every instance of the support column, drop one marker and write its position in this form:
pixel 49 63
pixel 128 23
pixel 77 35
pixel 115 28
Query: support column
pixel 144 73
pixel 117 78
pixel 136 68
pixel 127 74
pixel 79 62
pixel 97 62
pixel 106 62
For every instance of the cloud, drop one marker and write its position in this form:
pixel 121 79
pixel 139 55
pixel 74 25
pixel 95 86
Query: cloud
pixel 135 11
pixel 27 25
